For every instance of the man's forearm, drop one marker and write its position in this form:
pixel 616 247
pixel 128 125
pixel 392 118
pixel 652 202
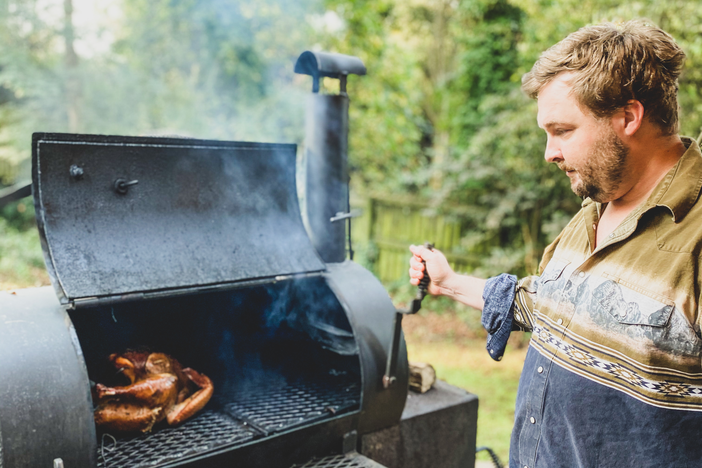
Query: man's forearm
pixel 465 289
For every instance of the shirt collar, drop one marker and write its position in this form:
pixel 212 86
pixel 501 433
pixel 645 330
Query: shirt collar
pixel 679 189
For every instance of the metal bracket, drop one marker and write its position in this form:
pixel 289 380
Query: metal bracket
pixel 350 442
pixel 15 192
pixel 341 216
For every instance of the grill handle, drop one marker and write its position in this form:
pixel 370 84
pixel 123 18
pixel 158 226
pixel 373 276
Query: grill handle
pixel 391 366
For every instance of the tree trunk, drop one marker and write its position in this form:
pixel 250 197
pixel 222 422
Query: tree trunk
pixel 73 85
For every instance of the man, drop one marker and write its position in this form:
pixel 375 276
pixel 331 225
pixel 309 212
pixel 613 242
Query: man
pixel 613 374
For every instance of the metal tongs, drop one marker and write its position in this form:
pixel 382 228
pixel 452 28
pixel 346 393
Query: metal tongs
pixel 391 366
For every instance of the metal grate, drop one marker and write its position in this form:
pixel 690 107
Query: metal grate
pixel 341 461
pixel 206 431
pixel 237 417
pixel 280 408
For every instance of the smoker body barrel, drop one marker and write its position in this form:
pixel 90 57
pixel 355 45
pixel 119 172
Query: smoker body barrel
pixel 45 406
pixel 326 174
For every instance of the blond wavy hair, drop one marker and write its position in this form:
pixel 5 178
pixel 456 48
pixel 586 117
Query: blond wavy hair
pixel 614 63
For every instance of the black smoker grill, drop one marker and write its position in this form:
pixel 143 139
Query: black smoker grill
pixel 198 249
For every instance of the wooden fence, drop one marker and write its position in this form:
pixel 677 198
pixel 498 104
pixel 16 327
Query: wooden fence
pixel 388 225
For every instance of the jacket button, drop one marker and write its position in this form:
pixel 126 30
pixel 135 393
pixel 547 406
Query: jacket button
pixel 532 420
pixel 540 370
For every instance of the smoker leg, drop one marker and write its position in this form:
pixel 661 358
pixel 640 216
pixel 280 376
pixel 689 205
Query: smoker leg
pixel 437 430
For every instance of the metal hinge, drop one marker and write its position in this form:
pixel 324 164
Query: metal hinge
pixel 102 301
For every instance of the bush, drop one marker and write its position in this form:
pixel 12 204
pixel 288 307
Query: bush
pixel 21 258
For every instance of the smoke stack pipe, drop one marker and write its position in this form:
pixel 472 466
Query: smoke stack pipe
pixel 326 146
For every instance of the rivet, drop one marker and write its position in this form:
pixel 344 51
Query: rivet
pixel 76 172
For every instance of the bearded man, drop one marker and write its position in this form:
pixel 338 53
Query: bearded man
pixel 613 375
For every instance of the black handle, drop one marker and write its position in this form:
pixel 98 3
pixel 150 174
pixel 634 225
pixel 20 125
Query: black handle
pixel 391 364
pixel 423 285
pixel 121 185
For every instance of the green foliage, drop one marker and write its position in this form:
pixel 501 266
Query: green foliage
pixel 442 115
pixel 19 215
pixel 201 68
pixel 513 195
pixel 21 258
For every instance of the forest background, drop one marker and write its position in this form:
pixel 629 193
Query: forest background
pixel 440 117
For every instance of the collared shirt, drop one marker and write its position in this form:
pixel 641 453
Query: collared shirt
pixel 613 374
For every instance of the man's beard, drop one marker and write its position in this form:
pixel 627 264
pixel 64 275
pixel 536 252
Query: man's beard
pixel 603 170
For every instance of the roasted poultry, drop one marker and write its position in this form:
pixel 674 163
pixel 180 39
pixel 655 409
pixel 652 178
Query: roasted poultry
pixel 159 389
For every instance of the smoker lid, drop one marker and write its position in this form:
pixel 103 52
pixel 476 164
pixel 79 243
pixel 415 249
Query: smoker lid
pixel 123 215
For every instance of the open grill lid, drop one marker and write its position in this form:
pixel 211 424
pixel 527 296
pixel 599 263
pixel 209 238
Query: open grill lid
pixel 120 216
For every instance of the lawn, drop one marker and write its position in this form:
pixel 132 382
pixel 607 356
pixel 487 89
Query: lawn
pixel 448 342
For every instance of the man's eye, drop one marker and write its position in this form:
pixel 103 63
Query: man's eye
pixel 561 131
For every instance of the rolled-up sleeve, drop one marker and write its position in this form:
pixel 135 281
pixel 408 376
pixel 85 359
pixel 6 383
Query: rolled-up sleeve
pixel 508 307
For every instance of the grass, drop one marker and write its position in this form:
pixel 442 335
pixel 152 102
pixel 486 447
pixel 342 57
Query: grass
pixel 448 342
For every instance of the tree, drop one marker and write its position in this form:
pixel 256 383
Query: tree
pixel 441 114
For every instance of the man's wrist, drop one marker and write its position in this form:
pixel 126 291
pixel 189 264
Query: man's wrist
pixel 463 288
pixel 451 286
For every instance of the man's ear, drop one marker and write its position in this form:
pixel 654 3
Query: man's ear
pixel 632 117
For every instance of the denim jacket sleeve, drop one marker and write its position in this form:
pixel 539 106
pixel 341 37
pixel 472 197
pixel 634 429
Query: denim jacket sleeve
pixel 508 307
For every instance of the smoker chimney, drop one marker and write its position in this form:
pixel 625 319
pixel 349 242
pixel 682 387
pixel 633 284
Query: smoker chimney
pixel 326 143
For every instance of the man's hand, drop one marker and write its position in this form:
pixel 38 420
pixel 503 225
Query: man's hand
pixel 444 281
pixel 436 265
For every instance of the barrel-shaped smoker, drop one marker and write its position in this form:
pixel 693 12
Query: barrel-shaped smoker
pixel 197 249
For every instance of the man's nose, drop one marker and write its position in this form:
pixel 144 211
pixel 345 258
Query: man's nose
pixel 553 151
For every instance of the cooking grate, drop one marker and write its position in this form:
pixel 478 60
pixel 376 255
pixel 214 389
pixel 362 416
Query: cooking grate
pixel 276 408
pixel 238 417
pixel 206 431
pixel 341 461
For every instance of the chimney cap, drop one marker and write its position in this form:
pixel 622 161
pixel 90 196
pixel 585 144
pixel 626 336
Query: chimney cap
pixel 317 64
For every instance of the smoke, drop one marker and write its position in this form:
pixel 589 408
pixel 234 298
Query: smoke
pixel 212 69
pixel 309 307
